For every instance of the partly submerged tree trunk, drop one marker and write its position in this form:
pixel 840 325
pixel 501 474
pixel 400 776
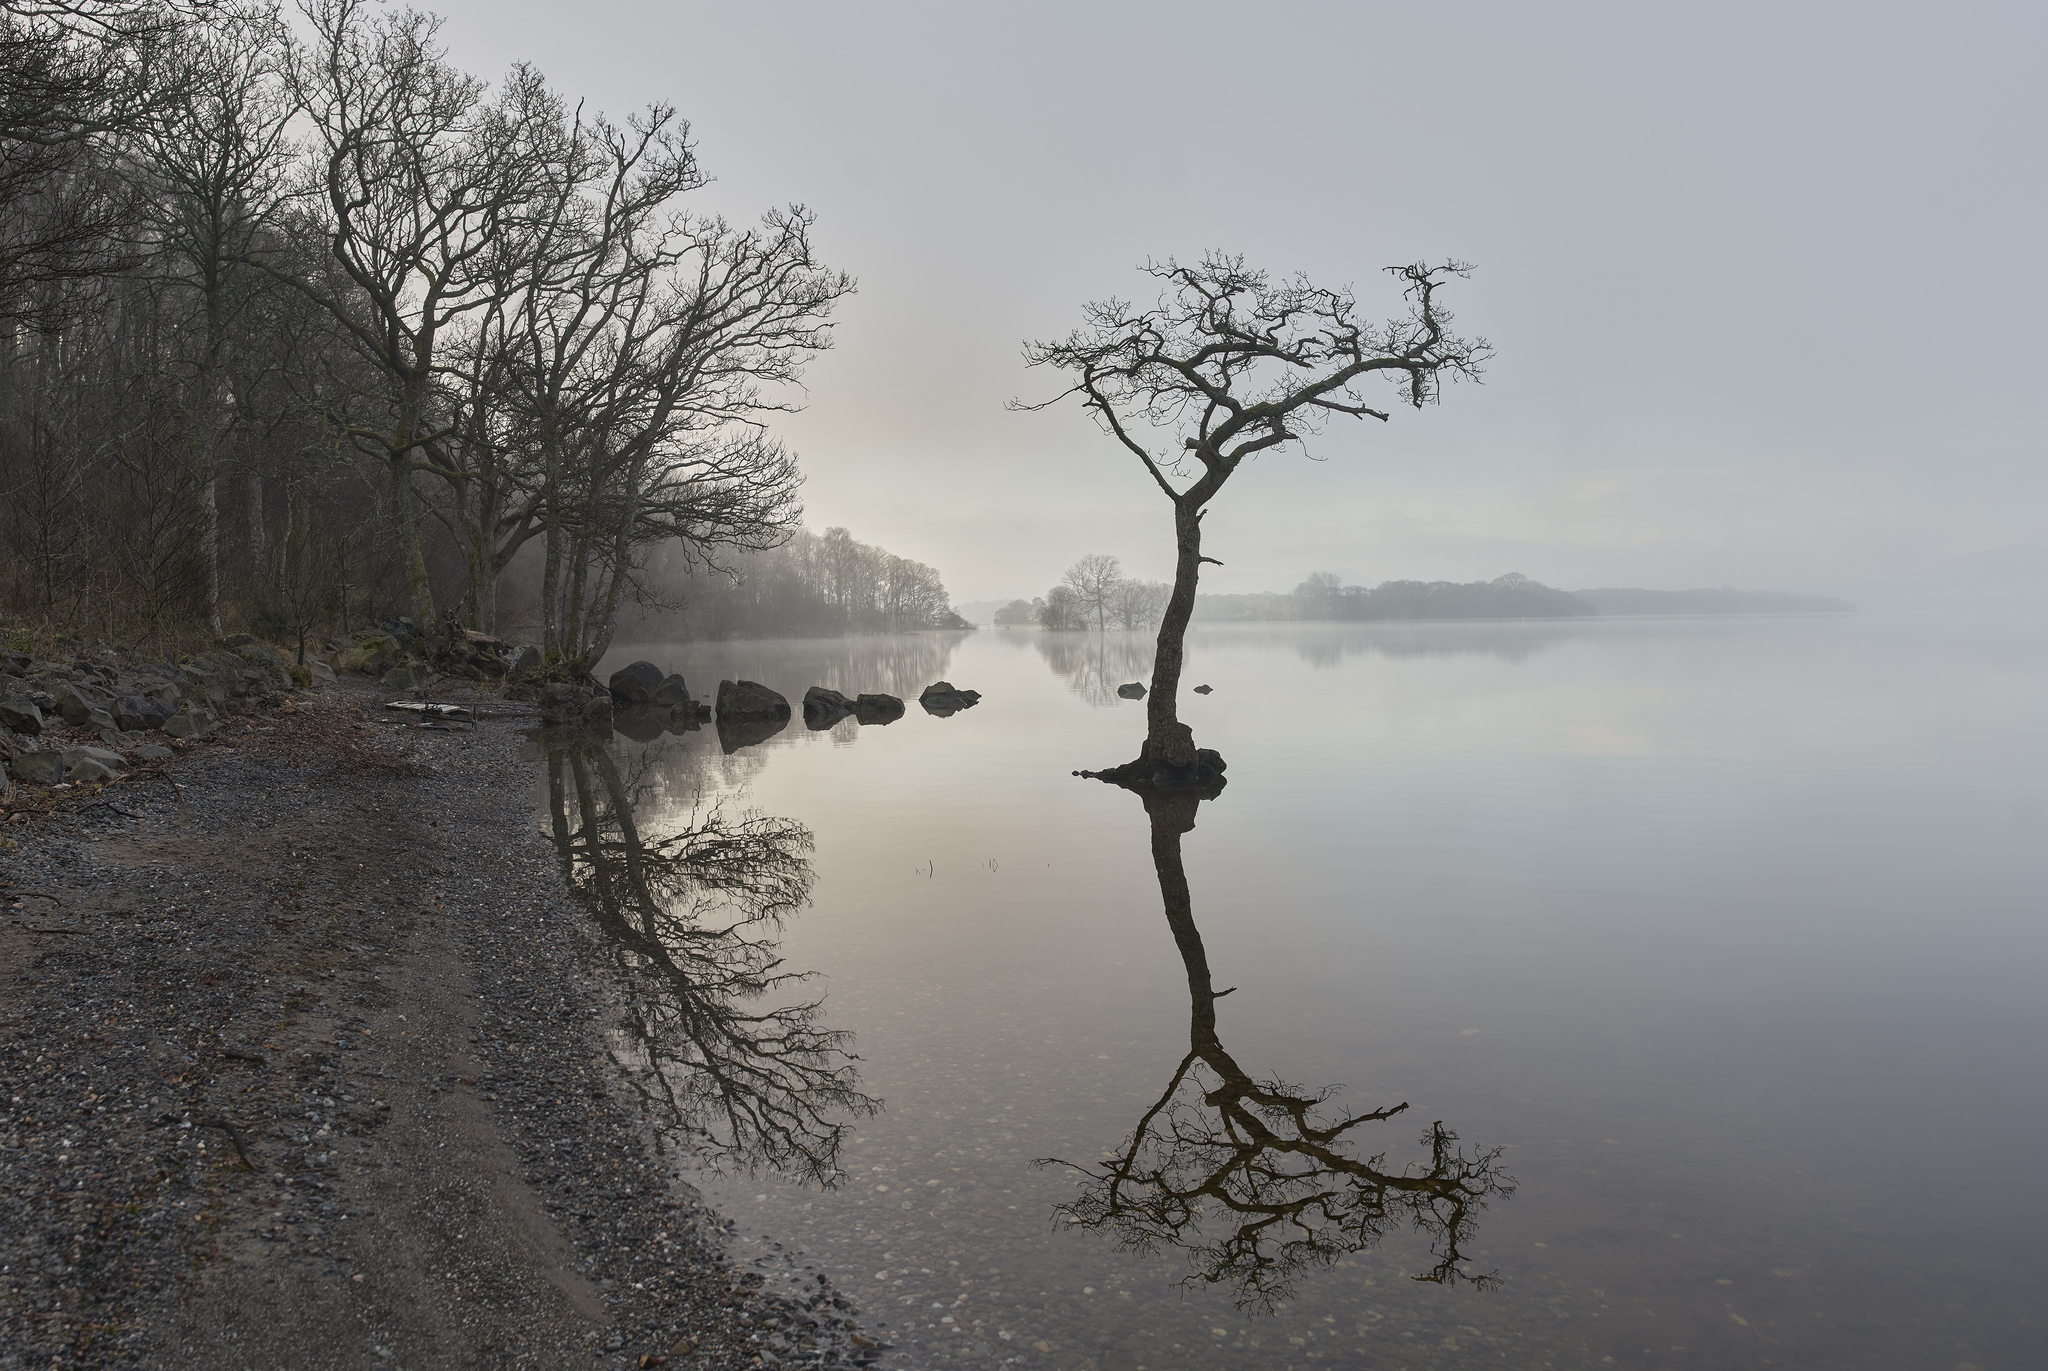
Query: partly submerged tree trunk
pixel 1169 760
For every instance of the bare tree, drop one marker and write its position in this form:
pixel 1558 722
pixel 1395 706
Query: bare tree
pixel 212 156
pixel 1138 604
pixel 1094 580
pixel 1225 365
pixel 419 177
pixel 1062 610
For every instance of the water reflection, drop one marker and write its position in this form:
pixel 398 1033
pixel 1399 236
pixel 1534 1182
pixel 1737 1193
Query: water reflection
pixel 690 918
pixel 1254 1179
pixel 1095 664
pixel 1327 645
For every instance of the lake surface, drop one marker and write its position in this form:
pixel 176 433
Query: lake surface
pixel 1719 942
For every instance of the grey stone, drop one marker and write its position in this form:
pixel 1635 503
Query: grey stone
pixel 672 692
pixel 112 761
pixel 75 706
pixel 877 709
pixel 824 707
pixel 1203 690
pixel 750 700
pixel 88 771
pixel 21 715
pixel 139 712
pixel 235 640
pixel 321 672
pixel 527 658
pixel 39 768
pixel 151 752
pixel 560 703
pixel 943 698
pixel 190 723
pixel 101 720
pixel 410 676
pixel 635 684
pixel 1132 690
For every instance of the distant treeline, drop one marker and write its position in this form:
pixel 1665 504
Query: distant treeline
pixel 1322 598
pixel 1726 600
pixel 815 585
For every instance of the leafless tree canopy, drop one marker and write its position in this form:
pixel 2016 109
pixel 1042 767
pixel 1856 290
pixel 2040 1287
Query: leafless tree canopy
pixel 250 267
pixel 1228 363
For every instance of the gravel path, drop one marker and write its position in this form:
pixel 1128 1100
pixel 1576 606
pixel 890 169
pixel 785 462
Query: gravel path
pixel 302 1068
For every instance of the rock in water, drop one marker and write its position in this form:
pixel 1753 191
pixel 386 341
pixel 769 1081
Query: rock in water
pixel 636 684
pixel 877 709
pixel 1202 690
pixel 750 700
pixel 1130 691
pixel 943 698
pixel 824 708
pixel 671 693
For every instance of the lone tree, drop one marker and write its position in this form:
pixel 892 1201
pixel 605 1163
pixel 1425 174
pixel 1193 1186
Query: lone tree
pixel 1226 364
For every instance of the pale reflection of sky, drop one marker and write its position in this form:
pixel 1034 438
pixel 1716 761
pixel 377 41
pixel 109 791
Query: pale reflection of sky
pixel 1729 930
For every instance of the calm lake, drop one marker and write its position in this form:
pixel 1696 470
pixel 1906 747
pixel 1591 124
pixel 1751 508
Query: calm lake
pixel 1718 941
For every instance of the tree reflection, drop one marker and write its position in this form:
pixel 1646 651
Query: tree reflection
pixel 688 919
pixel 1257 1179
pixel 1095 664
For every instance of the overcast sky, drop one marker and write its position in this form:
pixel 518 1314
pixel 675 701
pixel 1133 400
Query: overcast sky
pixel 1765 282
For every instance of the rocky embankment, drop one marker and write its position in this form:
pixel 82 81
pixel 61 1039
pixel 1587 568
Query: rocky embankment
pixel 92 717
pixel 302 1054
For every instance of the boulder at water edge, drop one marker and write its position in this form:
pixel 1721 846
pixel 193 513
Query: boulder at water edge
pixel 1130 691
pixel 672 693
pixel 824 707
pixel 943 698
pixel 750 700
pixel 637 683
pixel 877 709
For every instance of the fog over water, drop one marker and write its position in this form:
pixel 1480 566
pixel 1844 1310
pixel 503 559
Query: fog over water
pixel 1762 278
pixel 1725 932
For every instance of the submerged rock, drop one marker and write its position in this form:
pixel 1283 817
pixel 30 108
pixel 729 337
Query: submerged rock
pixel 1203 690
pixel 1130 691
pixel 673 694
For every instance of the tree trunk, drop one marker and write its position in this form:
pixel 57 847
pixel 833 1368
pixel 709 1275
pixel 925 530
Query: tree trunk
pixel 1166 737
pixel 209 542
pixel 405 531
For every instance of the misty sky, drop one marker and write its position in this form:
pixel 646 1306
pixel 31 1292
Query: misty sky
pixel 1765 282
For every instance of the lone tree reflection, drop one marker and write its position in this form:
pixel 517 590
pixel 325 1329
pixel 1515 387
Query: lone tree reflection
pixel 1256 1179
pixel 689 918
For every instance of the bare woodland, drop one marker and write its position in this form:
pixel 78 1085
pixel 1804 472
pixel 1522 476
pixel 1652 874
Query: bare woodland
pixel 301 322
